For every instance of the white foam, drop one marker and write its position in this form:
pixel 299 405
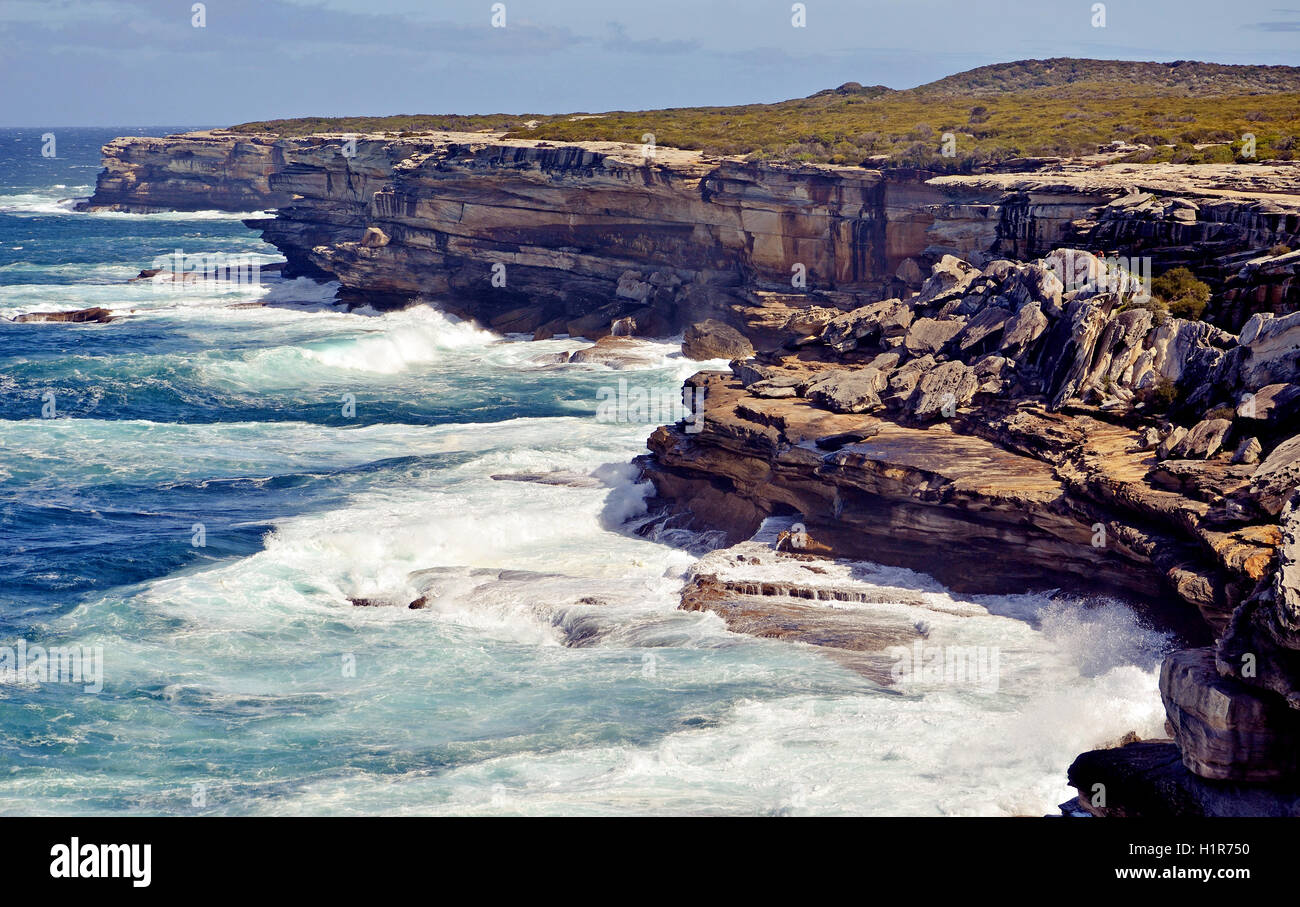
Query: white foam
pixel 399 340
pixel 536 672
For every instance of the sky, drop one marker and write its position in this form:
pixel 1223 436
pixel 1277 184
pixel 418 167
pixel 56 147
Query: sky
pixel 143 62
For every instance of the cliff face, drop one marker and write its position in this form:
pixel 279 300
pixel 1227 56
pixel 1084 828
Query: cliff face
pixel 931 395
pixel 526 235
pixel 1004 432
pixel 192 172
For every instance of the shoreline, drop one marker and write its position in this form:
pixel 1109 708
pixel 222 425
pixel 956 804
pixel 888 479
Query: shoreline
pixel 837 419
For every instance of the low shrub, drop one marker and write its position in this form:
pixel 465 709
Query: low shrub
pixel 1183 295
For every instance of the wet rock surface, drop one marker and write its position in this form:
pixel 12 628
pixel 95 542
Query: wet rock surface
pixel 1045 460
pixel 94 315
pixel 953 388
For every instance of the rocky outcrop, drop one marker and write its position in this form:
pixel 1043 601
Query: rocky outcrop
pixel 1224 730
pixel 1265 283
pixel 585 234
pixel 711 339
pixel 1093 448
pixel 940 385
pixel 95 314
pixel 196 171
pixel 1148 779
pixel 776 586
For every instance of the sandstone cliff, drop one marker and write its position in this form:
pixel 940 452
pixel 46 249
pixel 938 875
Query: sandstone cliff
pixel 527 235
pixel 1006 429
pixel 196 171
pixel 945 389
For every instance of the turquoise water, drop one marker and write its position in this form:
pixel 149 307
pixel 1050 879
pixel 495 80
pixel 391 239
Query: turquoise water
pixel 239 678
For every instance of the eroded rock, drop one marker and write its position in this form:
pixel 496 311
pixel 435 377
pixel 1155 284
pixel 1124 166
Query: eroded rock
pixel 712 339
pixel 1226 730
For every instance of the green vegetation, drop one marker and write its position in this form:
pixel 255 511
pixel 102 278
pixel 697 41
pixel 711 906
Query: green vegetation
pixel 402 123
pixel 1181 293
pixel 1029 108
pixel 1159 397
pixel 1279 249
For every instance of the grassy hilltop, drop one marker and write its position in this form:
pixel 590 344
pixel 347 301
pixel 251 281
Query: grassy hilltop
pixel 1007 110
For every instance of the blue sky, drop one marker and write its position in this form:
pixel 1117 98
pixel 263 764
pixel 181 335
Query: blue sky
pixel 137 62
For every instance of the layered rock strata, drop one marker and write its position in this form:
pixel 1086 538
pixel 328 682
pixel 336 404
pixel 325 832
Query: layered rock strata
pixel 1002 432
pixel 1000 423
pixel 571 238
pixel 196 171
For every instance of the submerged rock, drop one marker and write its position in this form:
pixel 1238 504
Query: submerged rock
pixel 618 353
pixel 94 315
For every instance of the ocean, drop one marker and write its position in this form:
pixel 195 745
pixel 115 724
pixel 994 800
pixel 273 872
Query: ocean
pixel 198 491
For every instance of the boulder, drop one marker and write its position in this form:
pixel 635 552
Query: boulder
pixel 999 269
pixel 1204 440
pixel 751 371
pixel 949 277
pixel 903 380
pixel 1226 730
pixel 886 362
pixel 896 321
pixel 1277 477
pixel 910 273
pixel 812 320
pixel 1274 345
pixel 1118 349
pixel 631 286
pixel 855 391
pixel 1273 404
pixel 1247 451
pixel 942 389
pixel 1166 447
pixel 374 238
pixel 982 329
pixel 618 353
pixel 1074 268
pixel 1186 351
pixel 993 372
pixel 1071 345
pixel 1034 283
pixel 712 339
pixel 1022 329
pixel 775 389
pixel 929 335
pixel 846 331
